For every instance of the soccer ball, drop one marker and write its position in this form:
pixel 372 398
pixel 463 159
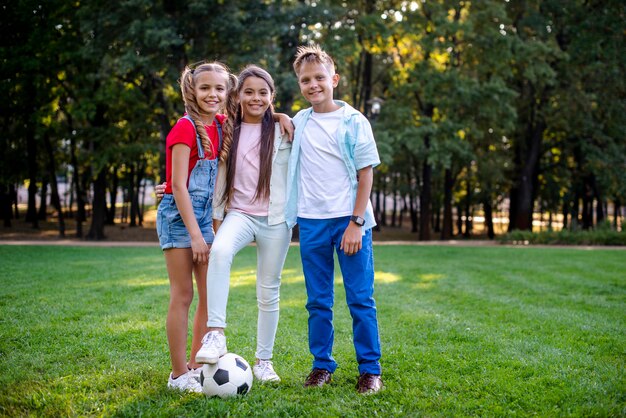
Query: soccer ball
pixel 232 375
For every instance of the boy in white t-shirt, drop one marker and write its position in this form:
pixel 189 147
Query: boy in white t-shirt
pixel 328 187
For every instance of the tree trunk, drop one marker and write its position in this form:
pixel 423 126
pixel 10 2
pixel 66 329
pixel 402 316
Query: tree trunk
pixel 468 209
pixel 425 196
pixel 412 205
pixel 394 210
pixel 599 202
pixel 5 205
pixel 80 197
pixel 142 205
pixel 575 218
pixel 31 157
pixel 383 212
pixel 31 161
pixel 448 184
pixel 132 195
pixel 42 215
pixel 13 195
pixel 527 154
pixel 550 220
pixel 141 173
pixel 96 232
pixel 54 187
pixel 489 218
pixel 459 219
pixel 587 214
pixel 110 218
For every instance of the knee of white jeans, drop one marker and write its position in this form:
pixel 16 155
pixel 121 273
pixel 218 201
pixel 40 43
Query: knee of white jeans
pixel 221 254
pixel 269 304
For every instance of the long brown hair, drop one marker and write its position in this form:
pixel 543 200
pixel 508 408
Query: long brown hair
pixel 267 139
pixel 187 89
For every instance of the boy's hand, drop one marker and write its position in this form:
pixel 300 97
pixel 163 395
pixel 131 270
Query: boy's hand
pixel 351 242
pixel 286 125
pixel 159 190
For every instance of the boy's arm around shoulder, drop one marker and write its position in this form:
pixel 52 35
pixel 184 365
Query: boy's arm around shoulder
pixel 365 151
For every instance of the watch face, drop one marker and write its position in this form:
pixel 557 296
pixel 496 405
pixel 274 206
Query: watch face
pixel 357 220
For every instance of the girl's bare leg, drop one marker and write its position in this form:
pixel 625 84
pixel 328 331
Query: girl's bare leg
pixel 180 265
pixel 200 318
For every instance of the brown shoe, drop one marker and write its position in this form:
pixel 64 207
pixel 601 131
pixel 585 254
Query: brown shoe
pixel 318 377
pixel 369 383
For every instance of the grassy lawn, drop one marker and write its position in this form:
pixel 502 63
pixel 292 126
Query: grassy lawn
pixel 484 331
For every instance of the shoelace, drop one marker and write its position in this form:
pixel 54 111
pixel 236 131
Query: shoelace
pixel 266 367
pixel 210 337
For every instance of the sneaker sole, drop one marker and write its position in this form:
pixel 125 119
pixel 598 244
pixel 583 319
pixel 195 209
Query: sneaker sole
pixel 210 360
pixel 277 380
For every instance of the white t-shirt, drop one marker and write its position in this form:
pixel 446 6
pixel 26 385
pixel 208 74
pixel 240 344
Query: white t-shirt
pixel 247 172
pixel 324 184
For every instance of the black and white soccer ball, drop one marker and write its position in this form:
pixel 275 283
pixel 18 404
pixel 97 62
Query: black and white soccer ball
pixel 230 376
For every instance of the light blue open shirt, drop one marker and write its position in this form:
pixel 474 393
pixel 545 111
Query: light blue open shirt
pixel 358 149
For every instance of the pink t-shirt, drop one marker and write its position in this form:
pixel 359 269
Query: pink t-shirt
pixel 247 172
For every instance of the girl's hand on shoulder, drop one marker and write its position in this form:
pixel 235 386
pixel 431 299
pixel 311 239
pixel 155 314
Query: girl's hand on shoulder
pixel 351 242
pixel 200 250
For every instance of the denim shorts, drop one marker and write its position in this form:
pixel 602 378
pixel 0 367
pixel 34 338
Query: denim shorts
pixel 171 228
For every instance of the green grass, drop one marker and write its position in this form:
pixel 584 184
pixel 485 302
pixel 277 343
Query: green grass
pixel 465 331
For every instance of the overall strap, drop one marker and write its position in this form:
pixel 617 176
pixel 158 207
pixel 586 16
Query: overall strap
pixel 198 139
pixel 219 134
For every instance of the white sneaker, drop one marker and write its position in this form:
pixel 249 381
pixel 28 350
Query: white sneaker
pixel 195 373
pixel 185 382
pixel 264 371
pixel 213 347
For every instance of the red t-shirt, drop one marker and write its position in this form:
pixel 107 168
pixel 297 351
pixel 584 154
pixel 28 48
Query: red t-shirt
pixel 184 133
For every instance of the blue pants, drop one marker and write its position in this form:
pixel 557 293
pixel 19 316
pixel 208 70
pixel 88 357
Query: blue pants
pixel 319 238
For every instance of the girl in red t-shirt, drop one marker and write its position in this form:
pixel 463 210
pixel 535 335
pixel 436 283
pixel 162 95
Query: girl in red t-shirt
pixel 184 216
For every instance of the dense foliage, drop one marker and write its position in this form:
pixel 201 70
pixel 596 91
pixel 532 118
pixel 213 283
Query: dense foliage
pixel 488 108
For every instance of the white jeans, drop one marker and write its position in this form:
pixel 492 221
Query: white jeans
pixel 272 243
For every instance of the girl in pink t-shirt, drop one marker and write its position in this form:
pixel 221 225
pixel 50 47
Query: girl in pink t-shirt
pixel 251 189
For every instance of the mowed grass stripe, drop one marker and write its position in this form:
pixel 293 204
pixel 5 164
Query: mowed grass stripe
pixel 482 331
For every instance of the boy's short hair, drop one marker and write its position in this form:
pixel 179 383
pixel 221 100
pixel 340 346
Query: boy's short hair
pixel 313 53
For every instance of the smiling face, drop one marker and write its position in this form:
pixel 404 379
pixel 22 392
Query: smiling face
pixel 255 97
pixel 210 88
pixel 317 84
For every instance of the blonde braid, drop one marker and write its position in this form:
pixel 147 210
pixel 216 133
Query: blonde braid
pixel 231 111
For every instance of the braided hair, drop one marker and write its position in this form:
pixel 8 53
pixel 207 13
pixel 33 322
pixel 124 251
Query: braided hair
pixel 187 88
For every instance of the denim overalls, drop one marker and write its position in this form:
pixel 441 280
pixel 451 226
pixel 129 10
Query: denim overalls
pixel 170 226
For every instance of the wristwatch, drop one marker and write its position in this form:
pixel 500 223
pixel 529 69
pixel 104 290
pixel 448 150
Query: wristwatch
pixel 357 220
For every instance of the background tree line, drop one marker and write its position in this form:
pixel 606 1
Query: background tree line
pixel 483 102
